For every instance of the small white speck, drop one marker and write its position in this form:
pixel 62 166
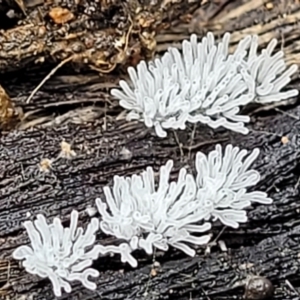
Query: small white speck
pixel 126 153
pixel 91 211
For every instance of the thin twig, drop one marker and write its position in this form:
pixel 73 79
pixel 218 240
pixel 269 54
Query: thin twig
pixel 148 282
pixel 48 77
pixel 266 132
pixel 274 106
pixel 214 242
pixel 192 140
pixel 287 114
pixel 205 294
pixel 205 143
pixel 179 144
pixel 288 283
pixel 297 184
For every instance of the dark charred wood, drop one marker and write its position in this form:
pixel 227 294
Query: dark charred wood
pixel 75 183
pixel 218 276
pixel 76 108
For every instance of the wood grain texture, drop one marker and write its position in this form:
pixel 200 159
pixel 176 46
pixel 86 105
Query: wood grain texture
pixel 98 35
pixel 77 182
pixel 75 106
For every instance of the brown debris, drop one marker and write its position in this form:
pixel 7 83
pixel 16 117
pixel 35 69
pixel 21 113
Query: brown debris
pixel 284 140
pixel 7 109
pixel 60 15
pixel 45 165
pixel 269 5
pixel 66 150
pixel 101 36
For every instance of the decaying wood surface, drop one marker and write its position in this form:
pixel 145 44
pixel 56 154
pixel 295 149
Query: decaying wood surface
pixel 99 34
pixel 275 19
pixel 75 107
pixel 117 147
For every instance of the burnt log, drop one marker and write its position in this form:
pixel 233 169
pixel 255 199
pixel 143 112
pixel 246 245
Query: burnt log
pixel 76 108
pixel 267 245
pixel 101 35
